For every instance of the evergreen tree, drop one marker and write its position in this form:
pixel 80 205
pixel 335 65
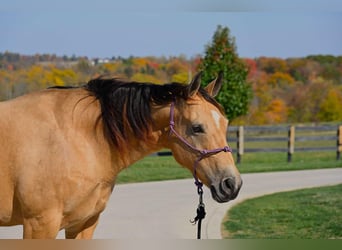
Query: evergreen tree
pixel 221 56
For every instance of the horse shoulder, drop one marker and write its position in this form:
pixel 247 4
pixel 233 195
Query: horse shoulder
pixel 49 157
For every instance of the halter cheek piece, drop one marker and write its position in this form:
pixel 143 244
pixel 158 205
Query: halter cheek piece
pixel 202 153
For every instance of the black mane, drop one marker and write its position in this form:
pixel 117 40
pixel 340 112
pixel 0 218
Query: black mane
pixel 125 106
pixel 63 87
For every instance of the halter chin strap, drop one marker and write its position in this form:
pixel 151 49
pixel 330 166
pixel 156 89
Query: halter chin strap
pixel 202 153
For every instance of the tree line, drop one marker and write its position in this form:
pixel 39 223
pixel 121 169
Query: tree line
pixel 292 90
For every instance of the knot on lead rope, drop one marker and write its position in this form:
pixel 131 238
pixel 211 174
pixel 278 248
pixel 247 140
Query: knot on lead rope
pixel 200 209
pixel 198 183
pixel 200 214
pixel 199 186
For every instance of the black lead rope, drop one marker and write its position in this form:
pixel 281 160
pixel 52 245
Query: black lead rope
pixel 200 212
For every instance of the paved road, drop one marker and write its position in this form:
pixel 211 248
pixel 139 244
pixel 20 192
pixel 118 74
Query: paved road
pixel 163 209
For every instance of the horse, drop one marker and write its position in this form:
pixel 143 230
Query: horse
pixel 62 148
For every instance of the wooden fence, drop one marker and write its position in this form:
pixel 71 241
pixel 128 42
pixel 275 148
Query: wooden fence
pixel 291 136
pixel 287 139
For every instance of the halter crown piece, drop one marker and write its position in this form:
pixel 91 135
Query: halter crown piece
pixel 202 153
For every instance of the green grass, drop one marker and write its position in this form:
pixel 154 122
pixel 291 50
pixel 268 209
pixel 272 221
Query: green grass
pixel 265 162
pixel 305 214
pixel 154 168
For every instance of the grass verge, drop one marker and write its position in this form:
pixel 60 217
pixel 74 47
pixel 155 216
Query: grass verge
pixel 305 214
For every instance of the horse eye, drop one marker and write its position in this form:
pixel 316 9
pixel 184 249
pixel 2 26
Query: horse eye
pixel 197 129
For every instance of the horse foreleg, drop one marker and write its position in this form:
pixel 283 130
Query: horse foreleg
pixel 84 231
pixel 44 226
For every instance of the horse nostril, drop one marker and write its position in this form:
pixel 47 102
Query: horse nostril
pixel 230 184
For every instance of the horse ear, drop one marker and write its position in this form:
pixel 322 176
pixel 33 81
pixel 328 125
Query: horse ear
pixel 195 84
pixel 214 87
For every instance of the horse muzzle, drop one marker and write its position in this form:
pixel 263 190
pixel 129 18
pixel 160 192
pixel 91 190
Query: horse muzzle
pixel 226 190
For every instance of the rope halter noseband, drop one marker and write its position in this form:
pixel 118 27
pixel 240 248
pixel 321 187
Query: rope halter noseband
pixel 202 153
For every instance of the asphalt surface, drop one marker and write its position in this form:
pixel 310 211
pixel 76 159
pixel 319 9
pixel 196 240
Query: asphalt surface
pixel 162 210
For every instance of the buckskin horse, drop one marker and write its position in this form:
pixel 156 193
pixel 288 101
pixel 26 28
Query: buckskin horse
pixel 62 148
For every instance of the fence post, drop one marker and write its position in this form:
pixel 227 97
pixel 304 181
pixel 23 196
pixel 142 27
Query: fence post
pixel 291 143
pixel 240 145
pixel 339 142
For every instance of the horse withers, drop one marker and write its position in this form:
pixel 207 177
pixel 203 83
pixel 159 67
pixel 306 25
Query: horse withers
pixel 62 148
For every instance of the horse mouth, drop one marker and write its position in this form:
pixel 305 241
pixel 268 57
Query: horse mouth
pixel 225 191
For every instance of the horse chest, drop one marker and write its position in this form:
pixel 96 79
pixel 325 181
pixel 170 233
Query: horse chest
pixel 87 203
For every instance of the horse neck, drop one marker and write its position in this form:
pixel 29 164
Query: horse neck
pixel 78 117
pixel 135 149
pixel 156 139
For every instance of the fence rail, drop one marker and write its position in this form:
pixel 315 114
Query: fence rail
pixel 291 136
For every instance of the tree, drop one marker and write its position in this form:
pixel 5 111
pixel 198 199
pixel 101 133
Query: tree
pixel 271 65
pixel 279 79
pixel 221 56
pixel 276 111
pixel 330 108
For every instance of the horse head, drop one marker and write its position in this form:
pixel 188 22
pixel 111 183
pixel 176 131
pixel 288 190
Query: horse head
pixel 197 139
